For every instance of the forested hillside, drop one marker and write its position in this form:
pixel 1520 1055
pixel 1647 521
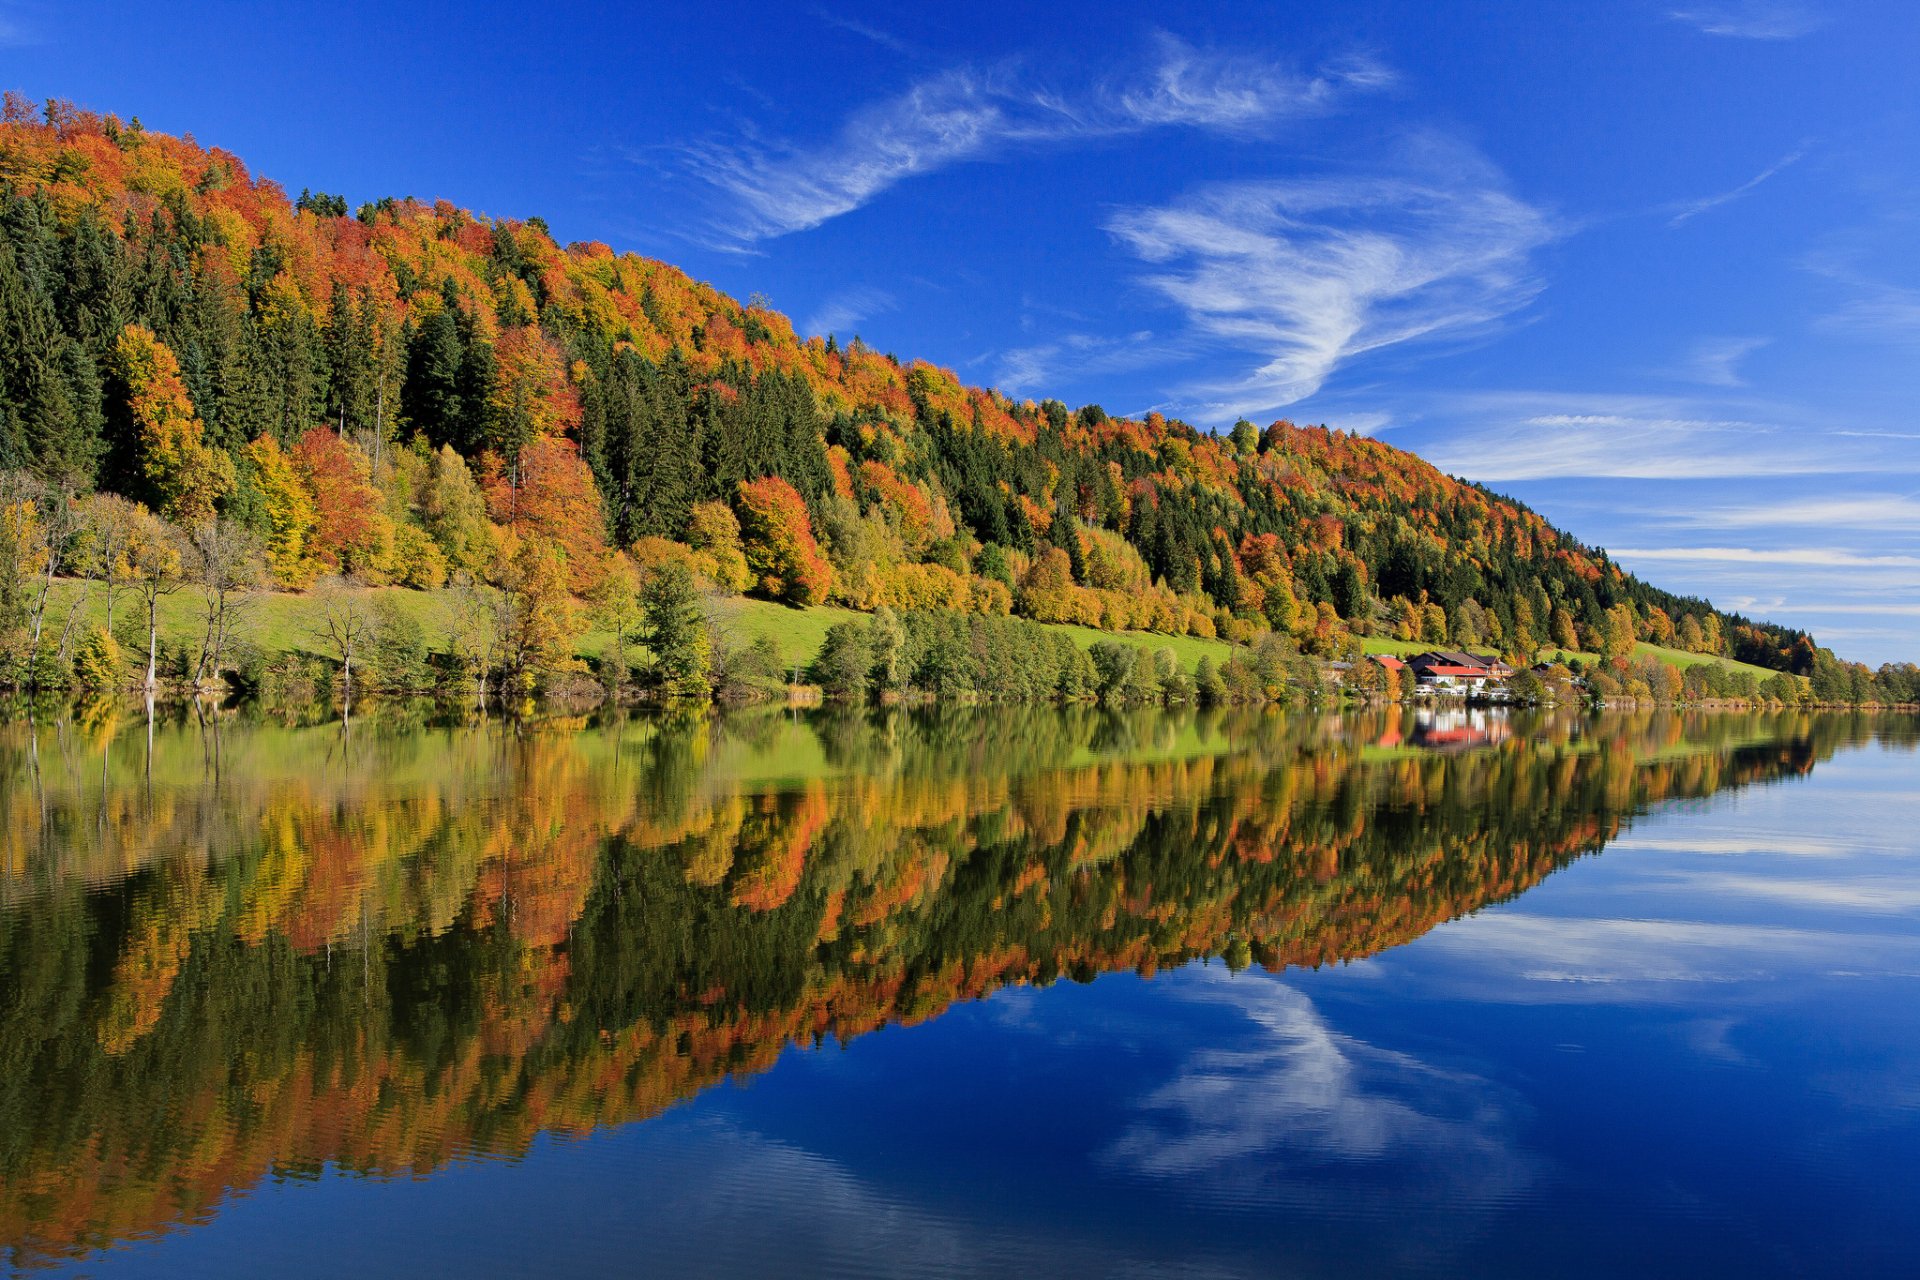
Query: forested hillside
pixel 407 392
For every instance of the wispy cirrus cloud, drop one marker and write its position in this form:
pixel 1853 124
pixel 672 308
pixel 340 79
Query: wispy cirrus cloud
pixel 1822 557
pixel 865 30
pixel 1033 369
pixel 1687 210
pixel 1879 511
pixel 1715 362
pixel 845 308
pixel 973 113
pixel 1751 19
pixel 1868 269
pixel 1307 274
pixel 1861 894
pixel 1869 609
pixel 15 33
pixel 1531 435
pixel 1877 309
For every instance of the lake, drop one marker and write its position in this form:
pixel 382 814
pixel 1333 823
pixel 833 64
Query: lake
pixel 977 992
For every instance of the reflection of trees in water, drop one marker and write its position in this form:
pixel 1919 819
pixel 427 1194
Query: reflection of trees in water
pixel 253 946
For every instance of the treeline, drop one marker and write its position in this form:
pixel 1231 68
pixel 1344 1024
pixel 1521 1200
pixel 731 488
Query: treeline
pixel 1833 684
pixel 949 656
pixel 415 395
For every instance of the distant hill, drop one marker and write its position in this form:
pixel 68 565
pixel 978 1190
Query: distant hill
pixel 406 327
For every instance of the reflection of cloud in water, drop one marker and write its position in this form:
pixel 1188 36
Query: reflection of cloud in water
pixel 1759 842
pixel 717 1198
pixel 1870 895
pixel 1307 1113
pixel 1514 957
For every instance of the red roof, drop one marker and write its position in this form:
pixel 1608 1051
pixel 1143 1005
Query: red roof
pixel 1388 661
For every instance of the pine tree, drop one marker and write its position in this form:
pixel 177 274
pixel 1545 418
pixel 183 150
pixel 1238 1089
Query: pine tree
pixel 40 426
pixel 677 633
pixel 431 397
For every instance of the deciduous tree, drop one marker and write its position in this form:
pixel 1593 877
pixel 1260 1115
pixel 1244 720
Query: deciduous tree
pixel 153 564
pixel 290 518
pixel 187 477
pixel 224 561
pixel 780 546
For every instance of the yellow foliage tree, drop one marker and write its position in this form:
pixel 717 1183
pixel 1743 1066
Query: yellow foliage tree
pixel 540 623
pixel 714 532
pixel 187 475
pixel 290 515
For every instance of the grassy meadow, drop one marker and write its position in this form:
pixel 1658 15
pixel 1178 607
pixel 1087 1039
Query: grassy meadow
pixel 282 622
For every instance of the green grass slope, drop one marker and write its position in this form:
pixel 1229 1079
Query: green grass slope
pixel 280 622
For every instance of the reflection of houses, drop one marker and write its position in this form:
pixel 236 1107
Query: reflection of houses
pixel 1453 671
pixel 1460 729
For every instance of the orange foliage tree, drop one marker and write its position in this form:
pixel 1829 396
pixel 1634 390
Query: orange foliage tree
pixel 532 399
pixel 780 546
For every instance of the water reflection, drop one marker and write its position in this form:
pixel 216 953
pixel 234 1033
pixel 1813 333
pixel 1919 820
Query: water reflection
pixel 233 947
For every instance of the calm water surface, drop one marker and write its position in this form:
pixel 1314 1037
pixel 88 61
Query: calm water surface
pixel 973 993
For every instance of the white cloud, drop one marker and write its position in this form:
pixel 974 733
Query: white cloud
pixel 711 1195
pixel 885 40
pixel 1309 274
pixel 1881 310
pixel 846 308
pixel 1691 209
pixel 1871 610
pixel 1648 444
pixel 1872 306
pixel 1366 424
pixel 1879 511
pixel 1751 19
pixel 974 113
pixel 1039 368
pixel 1551 435
pixel 1715 362
pixel 1826 557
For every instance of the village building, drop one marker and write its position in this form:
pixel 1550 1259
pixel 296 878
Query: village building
pixel 1456 671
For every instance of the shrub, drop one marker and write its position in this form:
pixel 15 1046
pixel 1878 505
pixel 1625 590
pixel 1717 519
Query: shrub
pixel 97 661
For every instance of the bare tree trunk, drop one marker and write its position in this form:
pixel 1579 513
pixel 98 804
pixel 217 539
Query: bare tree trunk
pixel 39 618
pixel 73 616
pixel 153 644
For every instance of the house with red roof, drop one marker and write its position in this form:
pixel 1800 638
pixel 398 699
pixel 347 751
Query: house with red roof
pixel 1456 671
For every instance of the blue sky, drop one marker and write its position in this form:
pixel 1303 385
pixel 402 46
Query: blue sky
pixel 1650 267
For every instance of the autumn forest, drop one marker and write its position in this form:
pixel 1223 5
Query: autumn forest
pixel 206 382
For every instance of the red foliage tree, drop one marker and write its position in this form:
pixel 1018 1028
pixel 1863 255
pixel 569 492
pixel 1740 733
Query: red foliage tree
pixel 533 398
pixel 351 530
pixel 556 500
